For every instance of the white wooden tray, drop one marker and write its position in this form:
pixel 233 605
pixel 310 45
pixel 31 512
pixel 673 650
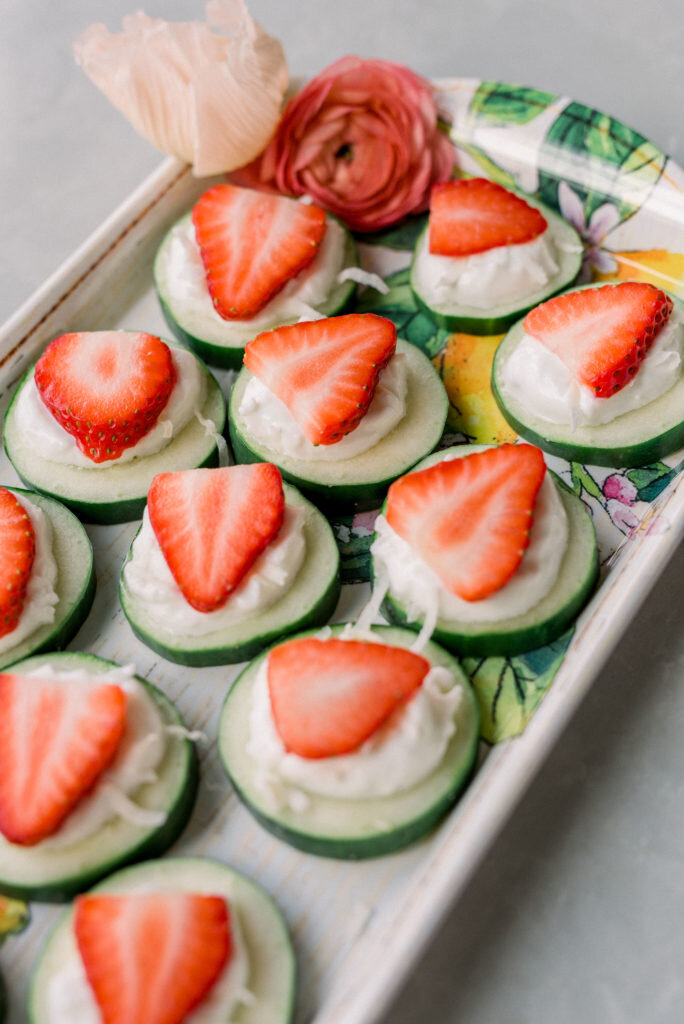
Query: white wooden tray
pixel 357 928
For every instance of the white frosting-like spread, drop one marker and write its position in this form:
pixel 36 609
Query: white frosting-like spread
pixel 41 596
pixel 149 580
pixel 420 589
pixel 403 752
pixel 538 379
pixel 183 272
pixel 42 431
pixel 485 279
pixel 139 754
pixel 269 420
pixel 70 998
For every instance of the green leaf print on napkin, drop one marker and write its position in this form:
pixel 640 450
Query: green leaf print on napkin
pixel 509 689
pixel 600 158
pixel 508 104
pixel 400 306
pixel 403 235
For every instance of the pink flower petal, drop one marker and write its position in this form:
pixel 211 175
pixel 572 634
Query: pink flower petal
pixel 602 220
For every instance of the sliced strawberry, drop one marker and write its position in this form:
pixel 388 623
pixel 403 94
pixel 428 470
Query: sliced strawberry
pixel 106 388
pixel 325 371
pixel 17 552
pixel 329 696
pixel 212 525
pixel 470 518
pixel 151 958
pixel 252 244
pixel 601 334
pixel 476 214
pixel 56 739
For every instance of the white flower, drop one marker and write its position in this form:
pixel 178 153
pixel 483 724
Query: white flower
pixel 212 100
pixel 602 220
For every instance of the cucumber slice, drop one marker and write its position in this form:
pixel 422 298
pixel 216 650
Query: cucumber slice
pixel 272 969
pixel 473 320
pixel 56 874
pixel 359 482
pixel 540 625
pixel 116 494
pixel 353 829
pixel 75 586
pixel 222 343
pixel 634 439
pixel 310 601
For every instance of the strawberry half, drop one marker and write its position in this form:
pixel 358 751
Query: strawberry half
pixel 17 553
pixel 56 739
pixel 106 388
pixel 601 334
pixel 329 696
pixel 151 958
pixel 252 244
pixel 470 518
pixel 212 525
pixel 475 215
pixel 325 371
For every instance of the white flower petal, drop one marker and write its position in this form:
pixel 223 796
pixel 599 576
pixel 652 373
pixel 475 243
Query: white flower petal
pixel 212 100
pixel 570 205
pixel 603 220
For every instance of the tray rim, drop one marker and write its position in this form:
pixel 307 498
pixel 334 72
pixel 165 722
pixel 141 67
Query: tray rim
pixel 511 765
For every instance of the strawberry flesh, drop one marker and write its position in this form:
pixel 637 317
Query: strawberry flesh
pixel 252 244
pixel 56 739
pixel 602 335
pixel 106 388
pixel 17 554
pixel 470 518
pixel 325 371
pixel 474 215
pixel 151 958
pixel 329 696
pixel 212 525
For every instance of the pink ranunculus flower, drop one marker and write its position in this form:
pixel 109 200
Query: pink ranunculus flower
pixel 362 140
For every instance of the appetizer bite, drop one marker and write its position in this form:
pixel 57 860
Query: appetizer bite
pixel 174 941
pixel 225 562
pixel 595 375
pixel 347 743
pixel 243 262
pixel 484 550
pixel 47 577
pixel 95 771
pixel 488 255
pixel 339 405
pixel 102 412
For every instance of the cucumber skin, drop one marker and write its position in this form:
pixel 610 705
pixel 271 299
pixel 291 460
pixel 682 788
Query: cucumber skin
pixel 341 498
pixel 289 1011
pixel 485 324
pixel 316 616
pixel 378 844
pixel 626 457
pixel 108 513
pixel 622 457
pixel 495 643
pixel 332 499
pixel 365 847
pixel 229 357
pixel 69 627
pixel 62 890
